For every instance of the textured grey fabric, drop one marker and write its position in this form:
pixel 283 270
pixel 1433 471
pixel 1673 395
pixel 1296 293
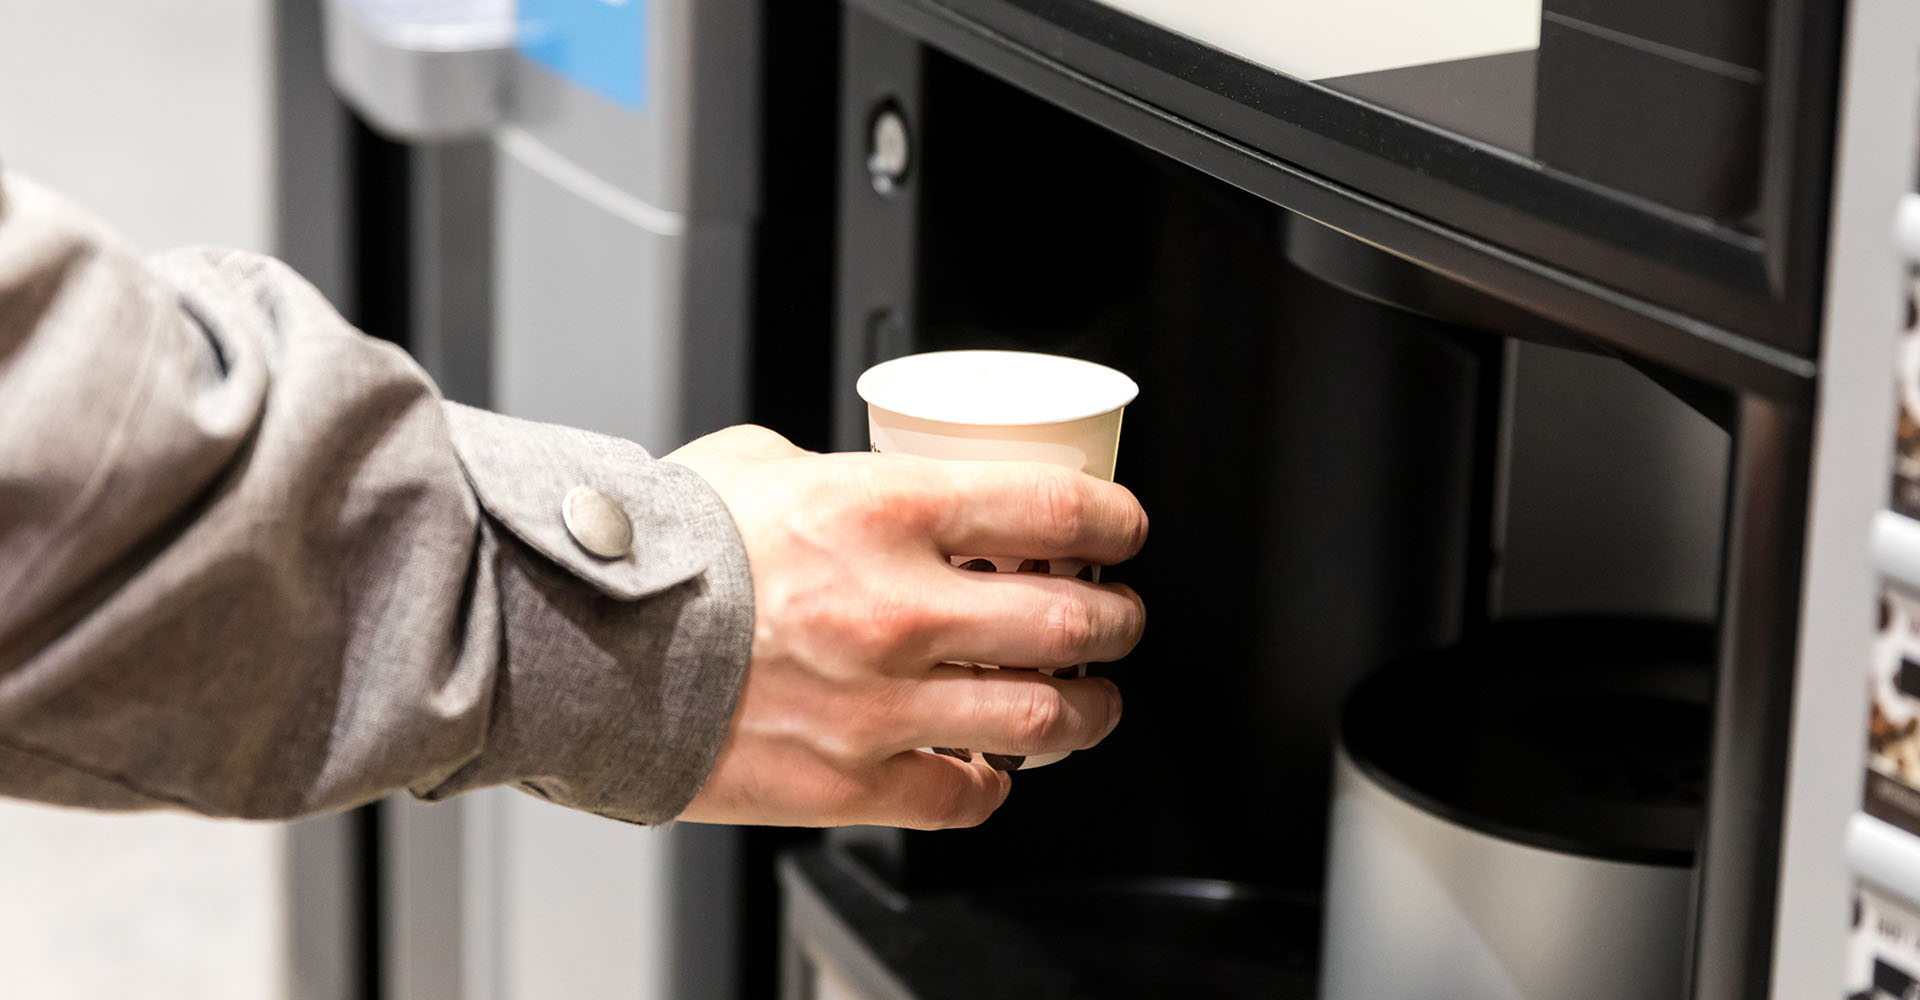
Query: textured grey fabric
pixel 252 565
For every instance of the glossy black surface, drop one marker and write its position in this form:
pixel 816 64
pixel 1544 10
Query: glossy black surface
pixel 1309 459
pixel 1090 940
pixel 1699 278
pixel 1587 737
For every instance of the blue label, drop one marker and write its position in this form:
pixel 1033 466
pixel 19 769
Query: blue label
pixel 599 44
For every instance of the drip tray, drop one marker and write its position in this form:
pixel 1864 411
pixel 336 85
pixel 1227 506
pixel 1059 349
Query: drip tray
pixel 1192 938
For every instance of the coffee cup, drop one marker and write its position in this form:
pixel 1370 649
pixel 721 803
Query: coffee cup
pixel 1001 406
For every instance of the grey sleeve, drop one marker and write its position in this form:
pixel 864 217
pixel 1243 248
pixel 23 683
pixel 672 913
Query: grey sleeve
pixel 252 565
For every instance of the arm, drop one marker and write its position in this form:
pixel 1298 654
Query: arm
pixel 252 565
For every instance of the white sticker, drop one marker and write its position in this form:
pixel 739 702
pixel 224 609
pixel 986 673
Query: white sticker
pixel 1316 39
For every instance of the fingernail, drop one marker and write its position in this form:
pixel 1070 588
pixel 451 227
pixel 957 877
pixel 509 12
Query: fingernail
pixel 1114 706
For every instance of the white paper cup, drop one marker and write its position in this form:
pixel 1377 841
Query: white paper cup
pixel 1001 406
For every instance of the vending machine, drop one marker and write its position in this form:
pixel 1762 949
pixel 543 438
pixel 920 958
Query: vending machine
pixel 1516 380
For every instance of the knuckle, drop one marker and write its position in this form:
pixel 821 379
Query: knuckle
pixel 753 439
pixel 1060 509
pixel 892 621
pixel 856 627
pixel 1070 627
pixel 876 728
pixel 752 432
pixel 1042 720
pixel 887 497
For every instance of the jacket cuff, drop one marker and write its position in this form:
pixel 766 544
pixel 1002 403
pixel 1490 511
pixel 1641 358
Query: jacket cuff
pixel 616 696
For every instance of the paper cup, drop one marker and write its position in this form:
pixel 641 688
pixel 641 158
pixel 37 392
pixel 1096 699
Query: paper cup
pixel 1001 406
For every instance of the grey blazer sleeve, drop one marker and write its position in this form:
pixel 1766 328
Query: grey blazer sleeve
pixel 252 565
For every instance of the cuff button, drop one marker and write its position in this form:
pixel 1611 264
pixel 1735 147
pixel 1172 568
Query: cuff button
pixel 597 522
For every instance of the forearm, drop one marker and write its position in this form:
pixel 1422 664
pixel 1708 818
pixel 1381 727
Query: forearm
pixel 250 564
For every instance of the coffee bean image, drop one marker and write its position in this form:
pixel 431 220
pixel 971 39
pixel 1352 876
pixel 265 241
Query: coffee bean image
pixel 1036 566
pixel 955 752
pixel 978 565
pixel 1004 761
pixel 1067 673
pixel 1086 573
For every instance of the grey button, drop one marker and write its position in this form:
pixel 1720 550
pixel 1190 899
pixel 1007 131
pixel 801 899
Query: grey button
pixel 889 150
pixel 597 522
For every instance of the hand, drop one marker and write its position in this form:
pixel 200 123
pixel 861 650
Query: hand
pixel 860 624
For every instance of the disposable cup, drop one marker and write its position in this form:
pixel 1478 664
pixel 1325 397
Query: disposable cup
pixel 1001 406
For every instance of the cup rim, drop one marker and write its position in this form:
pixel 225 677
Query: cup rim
pixel 1110 390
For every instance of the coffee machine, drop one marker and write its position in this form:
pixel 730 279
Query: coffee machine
pixel 1573 321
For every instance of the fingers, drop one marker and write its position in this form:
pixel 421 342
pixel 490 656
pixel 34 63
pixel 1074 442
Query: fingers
pixel 925 791
pixel 1035 510
pixel 790 784
pixel 1034 620
pixel 1018 712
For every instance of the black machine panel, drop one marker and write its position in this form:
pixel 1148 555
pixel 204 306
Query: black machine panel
pixel 1623 154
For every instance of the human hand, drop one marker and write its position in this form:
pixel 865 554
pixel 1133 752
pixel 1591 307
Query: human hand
pixel 860 624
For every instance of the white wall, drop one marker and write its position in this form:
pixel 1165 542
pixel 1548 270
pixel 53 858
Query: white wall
pixel 154 113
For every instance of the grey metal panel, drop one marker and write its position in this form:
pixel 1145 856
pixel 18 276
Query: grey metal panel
pixel 700 64
pixel 606 322
pixel 424 71
pixel 716 324
pixel 1852 448
pixel 310 208
pixel 725 143
pixel 423 902
pixel 310 155
pixel 588 308
pixel 450 329
pixel 1737 896
pixel 591 908
pixel 323 926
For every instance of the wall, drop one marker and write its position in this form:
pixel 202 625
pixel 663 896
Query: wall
pixel 156 114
